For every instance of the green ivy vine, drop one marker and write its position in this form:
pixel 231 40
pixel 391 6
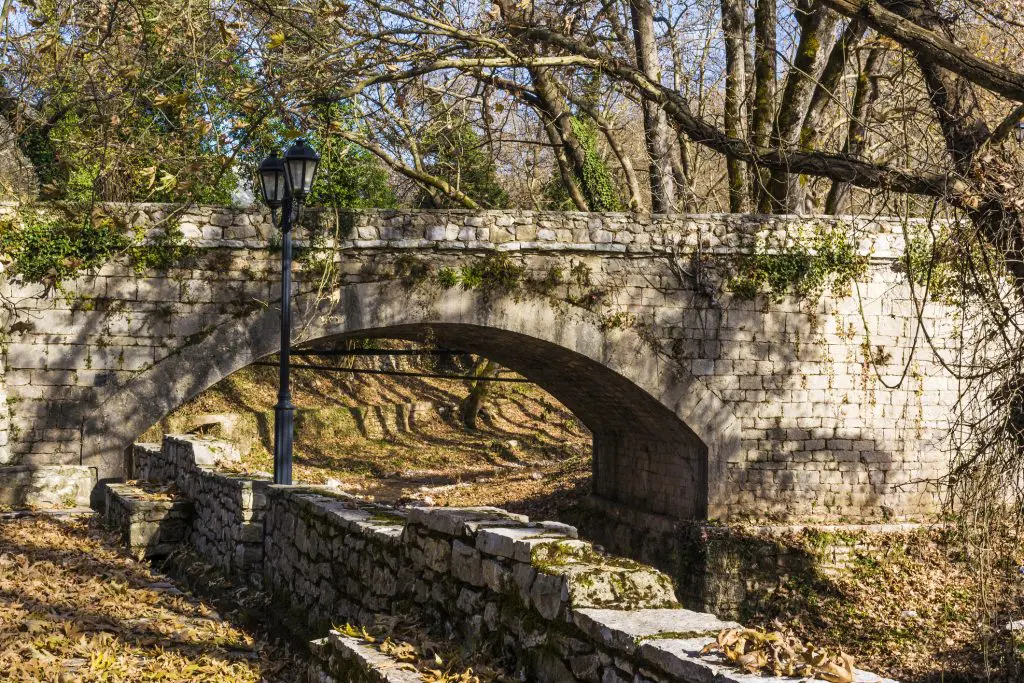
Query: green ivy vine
pixel 47 248
pixel 597 183
pixel 804 269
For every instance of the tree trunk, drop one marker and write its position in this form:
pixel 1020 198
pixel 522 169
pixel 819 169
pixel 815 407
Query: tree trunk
pixel 18 178
pixel 864 96
pixel 656 133
pixel 568 154
pixel 625 162
pixel 469 409
pixel 734 30
pixel 765 16
pixel 817 23
pixel 828 85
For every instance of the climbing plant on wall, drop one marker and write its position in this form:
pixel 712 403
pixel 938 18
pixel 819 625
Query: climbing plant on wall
pixel 802 268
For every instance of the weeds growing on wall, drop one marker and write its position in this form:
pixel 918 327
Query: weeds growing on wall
pixel 50 248
pixel 804 269
pixel 495 273
pixel 940 261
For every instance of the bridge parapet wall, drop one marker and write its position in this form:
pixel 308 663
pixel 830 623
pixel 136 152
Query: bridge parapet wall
pixel 509 230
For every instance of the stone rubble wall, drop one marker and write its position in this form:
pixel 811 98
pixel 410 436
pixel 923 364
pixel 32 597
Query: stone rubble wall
pixel 227 522
pixel 820 438
pixel 530 594
pixel 149 528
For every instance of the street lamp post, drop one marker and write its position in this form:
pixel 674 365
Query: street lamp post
pixel 285 183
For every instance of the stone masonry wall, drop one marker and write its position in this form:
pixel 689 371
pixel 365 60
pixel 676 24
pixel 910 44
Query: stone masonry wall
pixel 62 486
pixel 819 435
pixel 150 526
pixel 227 519
pixel 538 600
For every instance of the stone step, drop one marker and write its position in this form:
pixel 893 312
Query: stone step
pixel 339 658
pixel 152 521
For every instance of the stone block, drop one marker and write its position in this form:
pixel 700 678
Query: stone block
pixel 466 564
pixel 625 630
pixel 496 577
pixel 46 486
pixel 548 595
pixel 516 543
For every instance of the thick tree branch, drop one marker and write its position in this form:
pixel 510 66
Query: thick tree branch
pixel 933 47
pixel 820 164
pixel 418 176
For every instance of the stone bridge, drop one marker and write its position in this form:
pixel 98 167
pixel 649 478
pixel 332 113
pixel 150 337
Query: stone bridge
pixel 702 403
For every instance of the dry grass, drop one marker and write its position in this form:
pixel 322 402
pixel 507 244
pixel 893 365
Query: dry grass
pixel 910 609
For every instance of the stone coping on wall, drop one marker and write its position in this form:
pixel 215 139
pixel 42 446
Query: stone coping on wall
pixel 881 238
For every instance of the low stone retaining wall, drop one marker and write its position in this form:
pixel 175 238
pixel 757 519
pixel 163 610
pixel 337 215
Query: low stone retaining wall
pixel 46 486
pixel 227 525
pixel 542 603
pixel 150 526
pixel 530 594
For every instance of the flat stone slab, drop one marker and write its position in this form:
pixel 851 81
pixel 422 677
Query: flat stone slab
pixel 682 660
pixel 625 630
pixel 516 543
pixel 463 521
pixel 353 661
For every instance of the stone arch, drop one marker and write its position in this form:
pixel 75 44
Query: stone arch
pixel 661 437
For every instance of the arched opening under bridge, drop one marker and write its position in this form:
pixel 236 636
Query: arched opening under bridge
pixel 660 438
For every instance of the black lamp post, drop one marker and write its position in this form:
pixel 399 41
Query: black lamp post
pixel 285 184
pixel 1020 133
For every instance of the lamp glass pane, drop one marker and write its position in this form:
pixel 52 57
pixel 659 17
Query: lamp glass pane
pixel 279 186
pixel 273 186
pixel 295 174
pixel 309 175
